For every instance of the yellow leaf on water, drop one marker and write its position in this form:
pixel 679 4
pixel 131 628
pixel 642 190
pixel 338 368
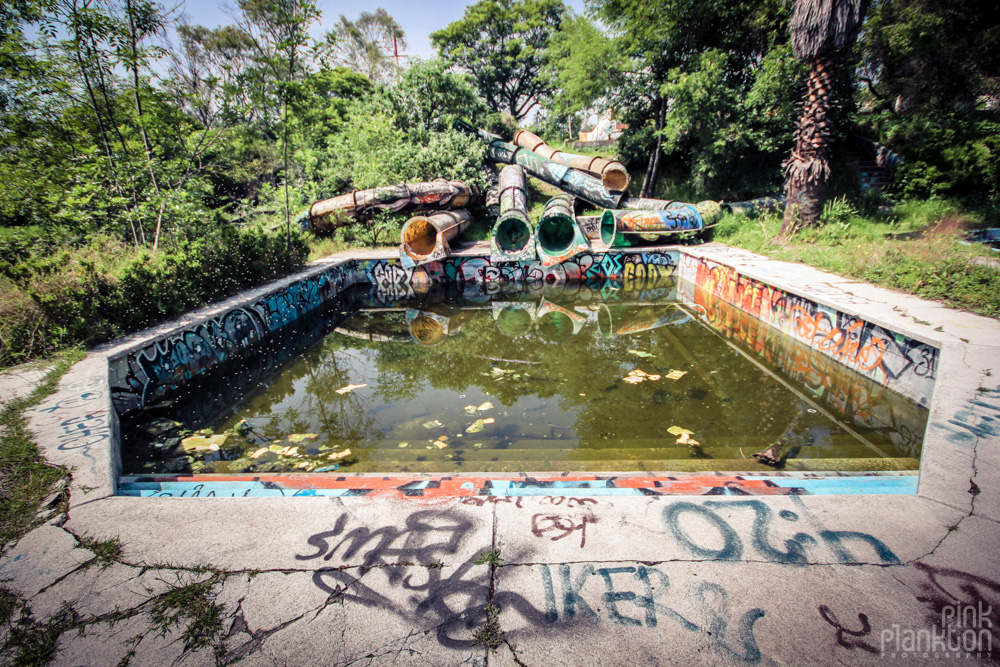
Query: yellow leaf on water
pixel 350 387
pixel 340 455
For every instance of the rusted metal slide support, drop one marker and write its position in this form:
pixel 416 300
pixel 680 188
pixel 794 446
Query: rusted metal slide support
pixel 513 236
pixel 622 229
pixel 329 214
pixel 612 173
pixel 425 238
pixel 559 235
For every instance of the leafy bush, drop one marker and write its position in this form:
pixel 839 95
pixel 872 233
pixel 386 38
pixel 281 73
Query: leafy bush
pixel 105 288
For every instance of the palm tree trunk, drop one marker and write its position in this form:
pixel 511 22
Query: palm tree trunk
pixel 807 171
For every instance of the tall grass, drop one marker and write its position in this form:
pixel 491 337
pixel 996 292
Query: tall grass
pixel 915 246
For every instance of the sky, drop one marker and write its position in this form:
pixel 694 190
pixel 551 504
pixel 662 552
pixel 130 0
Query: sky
pixel 418 18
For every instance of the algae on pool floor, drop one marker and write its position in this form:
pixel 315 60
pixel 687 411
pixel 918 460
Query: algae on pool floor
pixel 559 378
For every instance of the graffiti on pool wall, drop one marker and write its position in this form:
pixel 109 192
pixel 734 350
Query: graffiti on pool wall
pixel 979 417
pixel 652 270
pixel 158 369
pixel 860 399
pixel 904 364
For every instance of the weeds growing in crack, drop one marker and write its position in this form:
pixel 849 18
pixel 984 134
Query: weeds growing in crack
pixel 106 552
pixel 491 558
pixel 195 606
pixel 29 642
pixel 489 633
pixel 436 565
pixel 27 480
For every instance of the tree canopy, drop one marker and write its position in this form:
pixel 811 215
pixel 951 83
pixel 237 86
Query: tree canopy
pixel 504 45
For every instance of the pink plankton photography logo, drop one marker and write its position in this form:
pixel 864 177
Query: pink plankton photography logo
pixel 965 632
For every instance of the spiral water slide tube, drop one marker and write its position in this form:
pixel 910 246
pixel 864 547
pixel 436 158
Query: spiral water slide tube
pixel 425 238
pixel 611 172
pixel 347 209
pixel 622 229
pixel 512 238
pixel 572 181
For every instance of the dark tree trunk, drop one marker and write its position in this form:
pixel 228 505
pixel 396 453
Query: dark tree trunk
pixel 807 170
pixel 653 167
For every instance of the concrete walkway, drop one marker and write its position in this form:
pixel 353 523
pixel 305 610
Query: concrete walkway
pixel 586 580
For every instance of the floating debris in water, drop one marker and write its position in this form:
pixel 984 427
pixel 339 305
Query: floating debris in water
pixel 339 455
pixel 470 409
pixel 439 444
pixel 639 353
pixel 676 375
pixel 485 406
pixel 677 430
pixel 476 426
pixel 636 376
pixel 432 424
pixel 197 443
pixel 299 437
pixel 686 439
pixel 259 453
pixel 327 468
pixel 404 444
pixel 489 420
pixel 350 387
pixel 161 426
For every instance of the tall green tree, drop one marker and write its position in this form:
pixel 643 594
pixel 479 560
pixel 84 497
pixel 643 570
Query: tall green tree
pixel 367 45
pixel 821 31
pixel 931 70
pixel 504 45
pixel 663 45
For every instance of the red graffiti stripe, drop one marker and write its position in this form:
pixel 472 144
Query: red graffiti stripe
pixel 447 487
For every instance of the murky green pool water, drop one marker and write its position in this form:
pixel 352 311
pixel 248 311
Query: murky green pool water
pixel 566 378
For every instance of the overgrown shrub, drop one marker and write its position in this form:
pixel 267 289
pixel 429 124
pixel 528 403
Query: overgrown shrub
pixel 106 288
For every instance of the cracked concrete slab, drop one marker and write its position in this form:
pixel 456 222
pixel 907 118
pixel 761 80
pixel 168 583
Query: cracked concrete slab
pixel 597 613
pixel 287 534
pixel 813 529
pixel 406 615
pixel 136 638
pixel 96 591
pixel 593 580
pixel 40 559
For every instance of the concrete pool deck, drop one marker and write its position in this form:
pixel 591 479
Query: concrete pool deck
pixel 584 579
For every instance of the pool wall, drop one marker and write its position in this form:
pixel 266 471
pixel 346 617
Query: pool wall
pixel 157 367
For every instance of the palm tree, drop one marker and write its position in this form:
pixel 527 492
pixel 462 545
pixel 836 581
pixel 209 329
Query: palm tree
pixel 821 30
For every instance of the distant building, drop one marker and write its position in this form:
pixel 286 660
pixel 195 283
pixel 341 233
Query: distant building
pixel 607 129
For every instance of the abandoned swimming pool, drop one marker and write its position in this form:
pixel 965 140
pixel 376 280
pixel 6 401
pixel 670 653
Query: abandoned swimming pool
pixel 625 362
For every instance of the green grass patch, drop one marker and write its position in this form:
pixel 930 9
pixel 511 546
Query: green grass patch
pixel 106 552
pixel 489 633
pixel 915 247
pixel 491 558
pixel 194 606
pixel 26 479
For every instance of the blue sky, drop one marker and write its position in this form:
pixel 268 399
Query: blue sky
pixel 418 18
